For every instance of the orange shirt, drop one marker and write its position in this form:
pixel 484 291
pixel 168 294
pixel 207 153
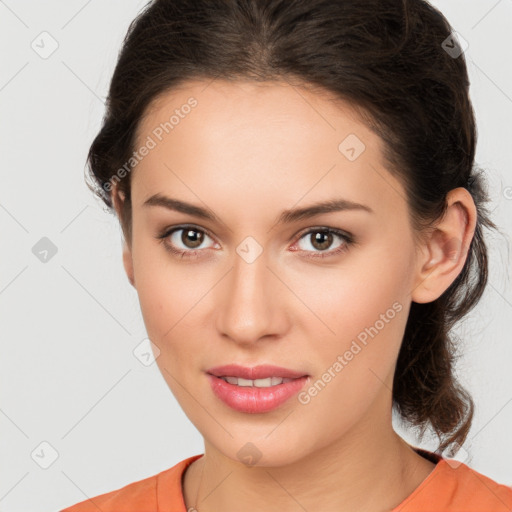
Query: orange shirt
pixel 451 487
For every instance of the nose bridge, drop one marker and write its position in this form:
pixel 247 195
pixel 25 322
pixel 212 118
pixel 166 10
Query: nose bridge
pixel 248 308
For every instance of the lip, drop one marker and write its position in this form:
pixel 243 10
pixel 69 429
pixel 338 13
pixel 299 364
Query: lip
pixel 252 400
pixel 261 371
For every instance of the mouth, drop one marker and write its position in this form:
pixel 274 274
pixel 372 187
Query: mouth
pixel 258 383
pixel 256 389
pixel 262 375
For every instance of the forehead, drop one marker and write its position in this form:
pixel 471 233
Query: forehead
pixel 232 105
pixel 260 140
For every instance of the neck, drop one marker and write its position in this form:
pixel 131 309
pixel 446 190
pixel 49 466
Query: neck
pixel 370 469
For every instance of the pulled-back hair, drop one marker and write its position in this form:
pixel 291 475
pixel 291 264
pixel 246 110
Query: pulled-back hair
pixel 396 62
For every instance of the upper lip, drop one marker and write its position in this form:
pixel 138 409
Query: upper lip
pixel 262 371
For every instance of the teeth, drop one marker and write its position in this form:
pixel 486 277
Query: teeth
pixel 259 383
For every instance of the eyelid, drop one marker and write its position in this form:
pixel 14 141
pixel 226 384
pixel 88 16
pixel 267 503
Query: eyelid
pixel 348 240
pixel 337 231
pixel 176 227
pixel 171 230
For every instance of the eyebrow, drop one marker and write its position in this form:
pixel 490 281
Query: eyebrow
pixel 286 217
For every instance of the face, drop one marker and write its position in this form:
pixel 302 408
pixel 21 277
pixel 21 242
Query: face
pixel 326 294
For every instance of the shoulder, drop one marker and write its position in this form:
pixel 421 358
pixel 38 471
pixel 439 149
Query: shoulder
pixel 455 487
pixel 473 491
pixel 145 495
pixel 140 496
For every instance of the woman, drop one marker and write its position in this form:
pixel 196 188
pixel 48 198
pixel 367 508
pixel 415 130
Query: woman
pixel 303 224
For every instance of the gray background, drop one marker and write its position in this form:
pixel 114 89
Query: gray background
pixel 69 325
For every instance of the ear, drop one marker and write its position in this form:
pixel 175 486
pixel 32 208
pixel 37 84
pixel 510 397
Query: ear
pixel 118 198
pixel 444 250
pixel 128 263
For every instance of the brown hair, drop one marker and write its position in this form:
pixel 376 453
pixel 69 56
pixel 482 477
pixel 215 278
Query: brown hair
pixel 387 58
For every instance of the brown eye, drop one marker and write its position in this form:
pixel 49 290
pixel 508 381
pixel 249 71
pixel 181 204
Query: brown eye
pixel 185 241
pixel 321 240
pixel 191 238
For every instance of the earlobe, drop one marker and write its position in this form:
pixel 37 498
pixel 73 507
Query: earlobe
pixel 118 198
pixel 128 264
pixel 445 251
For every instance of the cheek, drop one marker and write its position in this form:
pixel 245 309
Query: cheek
pixel 167 309
pixel 362 311
pixel 167 299
pixel 348 300
pixel 355 367
pixel 166 292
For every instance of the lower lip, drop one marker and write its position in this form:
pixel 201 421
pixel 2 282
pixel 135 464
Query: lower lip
pixel 252 399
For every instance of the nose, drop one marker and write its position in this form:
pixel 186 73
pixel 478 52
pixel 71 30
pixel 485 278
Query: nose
pixel 251 302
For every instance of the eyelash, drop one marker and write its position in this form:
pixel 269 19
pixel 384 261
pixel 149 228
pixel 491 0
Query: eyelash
pixel 348 240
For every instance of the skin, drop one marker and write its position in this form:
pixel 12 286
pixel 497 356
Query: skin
pixel 247 152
